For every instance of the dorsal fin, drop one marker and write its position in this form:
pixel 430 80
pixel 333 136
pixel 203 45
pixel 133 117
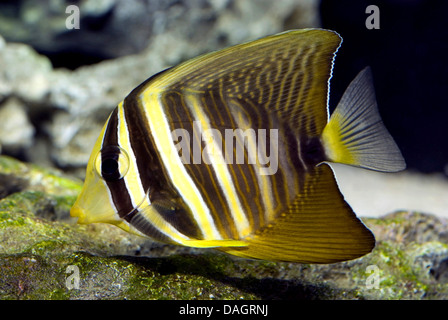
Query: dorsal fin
pixel 287 73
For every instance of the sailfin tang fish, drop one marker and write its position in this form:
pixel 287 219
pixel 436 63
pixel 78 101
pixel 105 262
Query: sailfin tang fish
pixel 231 150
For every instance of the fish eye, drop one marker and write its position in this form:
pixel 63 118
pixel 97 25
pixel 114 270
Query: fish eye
pixel 109 167
pixel 112 163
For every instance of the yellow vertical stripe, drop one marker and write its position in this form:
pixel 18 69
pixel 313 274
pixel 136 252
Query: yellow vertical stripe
pixel 221 170
pixel 132 181
pixel 264 182
pixel 135 188
pixel 161 133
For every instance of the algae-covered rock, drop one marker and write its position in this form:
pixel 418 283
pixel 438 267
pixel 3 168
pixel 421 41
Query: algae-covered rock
pixel 44 254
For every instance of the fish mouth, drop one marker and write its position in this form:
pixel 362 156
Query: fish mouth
pixel 93 207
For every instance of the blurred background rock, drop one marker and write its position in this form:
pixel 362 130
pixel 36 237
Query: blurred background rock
pixel 58 85
pixel 64 83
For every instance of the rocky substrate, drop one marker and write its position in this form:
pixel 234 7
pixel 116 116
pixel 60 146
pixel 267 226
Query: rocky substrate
pixel 44 254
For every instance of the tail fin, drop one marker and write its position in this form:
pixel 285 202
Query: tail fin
pixel 356 135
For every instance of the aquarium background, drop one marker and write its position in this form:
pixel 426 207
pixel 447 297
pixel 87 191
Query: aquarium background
pixel 58 84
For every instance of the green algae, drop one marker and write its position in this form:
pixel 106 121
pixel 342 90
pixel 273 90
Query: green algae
pixel 402 271
pixel 32 177
pixel 40 246
pixel 34 240
pixel 29 277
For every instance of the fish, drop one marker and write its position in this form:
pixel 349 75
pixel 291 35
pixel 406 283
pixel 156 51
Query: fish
pixel 232 150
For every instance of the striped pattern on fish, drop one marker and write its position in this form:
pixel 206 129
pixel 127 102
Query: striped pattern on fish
pixel 229 150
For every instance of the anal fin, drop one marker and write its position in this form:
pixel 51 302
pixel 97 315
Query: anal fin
pixel 214 243
pixel 318 227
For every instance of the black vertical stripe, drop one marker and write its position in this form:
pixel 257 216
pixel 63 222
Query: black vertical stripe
pixel 152 174
pixel 139 222
pixel 118 190
pixel 213 105
pixel 202 174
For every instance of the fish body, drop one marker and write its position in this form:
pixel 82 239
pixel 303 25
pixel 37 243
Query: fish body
pixel 230 150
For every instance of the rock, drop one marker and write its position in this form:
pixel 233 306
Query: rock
pixel 115 28
pixel 17 133
pixel 44 254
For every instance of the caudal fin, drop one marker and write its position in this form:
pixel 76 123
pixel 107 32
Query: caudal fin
pixel 356 135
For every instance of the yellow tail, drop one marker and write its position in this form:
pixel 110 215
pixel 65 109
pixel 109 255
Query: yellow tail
pixel 355 134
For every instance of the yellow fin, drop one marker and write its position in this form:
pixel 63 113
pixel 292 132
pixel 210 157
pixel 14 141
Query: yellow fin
pixel 318 227
pixel 214 243
pixel 285 73
pixel 355 134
